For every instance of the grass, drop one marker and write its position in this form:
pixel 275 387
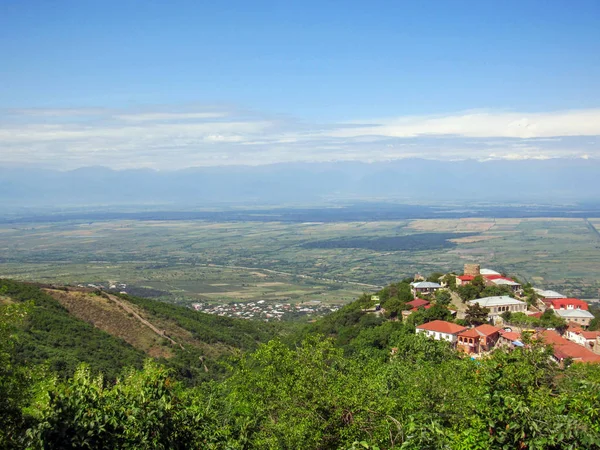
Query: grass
pixel 239 261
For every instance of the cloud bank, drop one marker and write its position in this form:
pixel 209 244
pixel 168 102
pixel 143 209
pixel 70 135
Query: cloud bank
pixel 175 138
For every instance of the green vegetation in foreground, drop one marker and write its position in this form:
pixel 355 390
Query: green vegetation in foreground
pixel 336 385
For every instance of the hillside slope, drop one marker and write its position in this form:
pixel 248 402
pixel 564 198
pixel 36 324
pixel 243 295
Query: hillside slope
pixel 67 326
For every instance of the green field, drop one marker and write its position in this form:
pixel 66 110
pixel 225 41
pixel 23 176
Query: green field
pixel 238 261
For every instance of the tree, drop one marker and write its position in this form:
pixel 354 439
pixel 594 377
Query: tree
pixel 496 291
pixel 436 312
pixel 467 292
pixel 450 281
pixel 15 381
pixel 443 297
pixel 435 277
pixel 476 314
pixel 478 282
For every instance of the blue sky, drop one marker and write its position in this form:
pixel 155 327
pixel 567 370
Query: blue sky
pixel 260 82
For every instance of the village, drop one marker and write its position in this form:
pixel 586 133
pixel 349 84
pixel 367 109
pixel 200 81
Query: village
pixel 508 320
pixel 267 311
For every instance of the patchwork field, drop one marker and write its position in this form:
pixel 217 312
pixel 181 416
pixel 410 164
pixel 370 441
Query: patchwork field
pixel 190 261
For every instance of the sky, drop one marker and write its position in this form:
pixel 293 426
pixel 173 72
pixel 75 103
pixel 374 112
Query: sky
pixel 175 84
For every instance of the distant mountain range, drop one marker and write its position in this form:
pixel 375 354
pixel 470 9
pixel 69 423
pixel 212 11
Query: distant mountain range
pixel 409 180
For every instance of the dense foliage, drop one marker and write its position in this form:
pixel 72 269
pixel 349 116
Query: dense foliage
pixel 51 335
pixel 352 377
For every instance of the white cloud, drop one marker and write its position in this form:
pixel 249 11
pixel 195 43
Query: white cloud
pixel 486 124
pixel 170 139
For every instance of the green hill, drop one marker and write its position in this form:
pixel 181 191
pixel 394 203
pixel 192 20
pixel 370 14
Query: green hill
pixel 68 326
pixel 350 380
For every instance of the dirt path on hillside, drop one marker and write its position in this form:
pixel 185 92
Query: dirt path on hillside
pixel 129 310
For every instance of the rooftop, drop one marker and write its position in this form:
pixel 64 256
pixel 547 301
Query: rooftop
pixel 566 313
pixel 505 282
pixel 487 330
pixel 472 333
pixel 563 348
pixel 488 272
pixel 558 303
pixel 417 303
pixel 496 301
pixel 441 326
pixel 466 277
pixel 510 335
pixel 425 284
pixel 548 294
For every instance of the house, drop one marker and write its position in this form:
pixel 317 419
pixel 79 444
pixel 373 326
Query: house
pixel 424 287
pixel 503 281
pixel 414 306
pixel 510 339
pixel 543 294
pixel 579 316
pixel 486 272
pixel 566 303
pixel 461 280
pixel 584 338
pixel 418 303
pixel 478 339
pixel 500 304
pixel 565 349
pixel 440 330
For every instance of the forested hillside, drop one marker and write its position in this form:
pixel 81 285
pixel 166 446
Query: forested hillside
pixel 350 380
pixel 66 327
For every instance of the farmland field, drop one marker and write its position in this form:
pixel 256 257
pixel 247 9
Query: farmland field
pixel 191 260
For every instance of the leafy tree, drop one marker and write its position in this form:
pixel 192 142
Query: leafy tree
pixel 496 291
pixel 443 297
pixel 476 314
pixel 450 281
pixel 436 312
pixel 15 380
pixel 435 277
pixel 468 292
pixel 479 283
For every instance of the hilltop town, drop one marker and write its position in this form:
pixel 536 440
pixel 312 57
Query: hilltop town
pixel 482 309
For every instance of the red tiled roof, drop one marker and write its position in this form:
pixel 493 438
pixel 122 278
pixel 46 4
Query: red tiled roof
pixel 424 307
pixel 465 277
pixel 471 333
pixel 537 315
pixel 417 303
pixel 563 348
pixel 441 326
pixel 510 335
pixel 487 330
pixel 495 277
pixel 558 303
pixel 590 334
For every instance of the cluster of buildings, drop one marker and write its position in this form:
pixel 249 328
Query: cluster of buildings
pixel 582 347
pixel 267 311
pixel 576 344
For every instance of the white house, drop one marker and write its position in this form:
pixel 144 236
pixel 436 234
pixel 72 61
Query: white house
pixel 500 304
pixel 513 285
pixel 424 287
pixel 579 316
pixel 440 330
pixel 546 294
pixel 584 338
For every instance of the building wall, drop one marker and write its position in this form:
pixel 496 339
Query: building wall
pixel 438 336
pixel 472 269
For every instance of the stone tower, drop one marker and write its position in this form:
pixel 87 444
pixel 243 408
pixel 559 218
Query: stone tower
pixel 472 269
